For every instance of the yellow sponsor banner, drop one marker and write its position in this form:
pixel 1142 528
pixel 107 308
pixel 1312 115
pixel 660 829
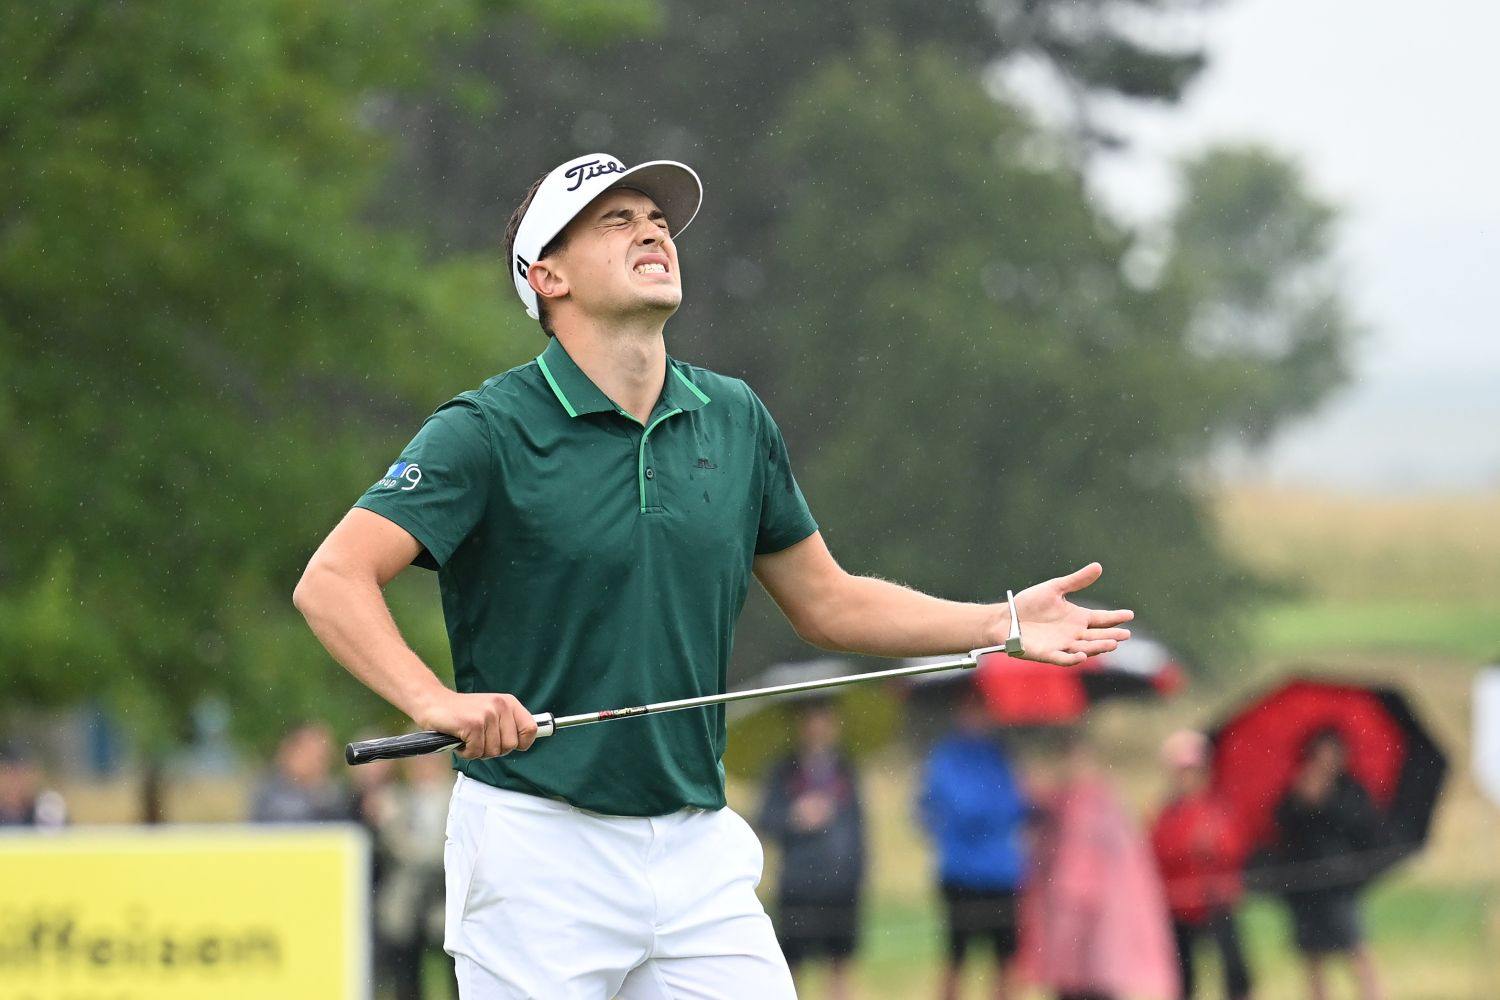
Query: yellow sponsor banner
pixel 185 913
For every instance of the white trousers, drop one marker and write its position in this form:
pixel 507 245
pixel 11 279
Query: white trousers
pixel 549 901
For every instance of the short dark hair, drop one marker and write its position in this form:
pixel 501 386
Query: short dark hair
pixel 555 245
pixel 817 704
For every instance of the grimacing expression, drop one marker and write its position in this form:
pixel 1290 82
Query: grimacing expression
pixel 618 258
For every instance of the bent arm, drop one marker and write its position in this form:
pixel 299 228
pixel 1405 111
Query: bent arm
pixel 836 610
pixel 340 595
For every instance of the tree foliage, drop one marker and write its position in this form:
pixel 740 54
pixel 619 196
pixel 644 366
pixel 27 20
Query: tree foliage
pixel 709 86
pixel 980 397
pixel 206 345
pixel 917 308
pixel 244 248
pixel 1253 254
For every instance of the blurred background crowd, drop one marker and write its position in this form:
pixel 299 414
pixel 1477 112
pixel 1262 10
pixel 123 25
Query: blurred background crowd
pixel 1046 876
pixel 1019 831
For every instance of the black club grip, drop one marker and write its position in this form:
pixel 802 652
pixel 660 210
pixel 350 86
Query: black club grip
pixel 417 744
pixel 392 747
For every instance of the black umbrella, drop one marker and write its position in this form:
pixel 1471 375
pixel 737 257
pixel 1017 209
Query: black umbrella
pixel 1395 760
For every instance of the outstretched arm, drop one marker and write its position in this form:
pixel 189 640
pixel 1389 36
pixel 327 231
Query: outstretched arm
pixel 859 614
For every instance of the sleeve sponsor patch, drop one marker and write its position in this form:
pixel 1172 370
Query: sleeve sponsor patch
pixel 401 475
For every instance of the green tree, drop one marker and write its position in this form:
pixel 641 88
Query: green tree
pixel 911 272
pixel 709 87
pixel 1252 252
pixel 713 87
pixel 981 398
pixel 206 344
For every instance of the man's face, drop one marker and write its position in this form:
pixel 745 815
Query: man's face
pixel 820 729
pixel 18 782
pixel 1190 779
pixel 308 755
pixel 1328 757
pixel 618 258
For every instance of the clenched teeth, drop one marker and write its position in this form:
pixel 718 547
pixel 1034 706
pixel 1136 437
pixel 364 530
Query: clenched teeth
pixel 650 269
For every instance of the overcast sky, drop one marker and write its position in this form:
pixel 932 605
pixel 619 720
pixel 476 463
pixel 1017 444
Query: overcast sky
pixel 1391 109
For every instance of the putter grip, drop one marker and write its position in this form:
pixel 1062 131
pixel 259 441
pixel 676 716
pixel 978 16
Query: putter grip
pixel 417 744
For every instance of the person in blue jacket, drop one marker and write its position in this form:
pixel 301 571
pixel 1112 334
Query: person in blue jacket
pixel 974 810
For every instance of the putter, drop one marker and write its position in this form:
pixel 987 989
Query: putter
pixel 416 744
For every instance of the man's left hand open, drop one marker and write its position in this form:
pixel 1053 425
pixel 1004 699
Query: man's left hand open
pixel 1055 630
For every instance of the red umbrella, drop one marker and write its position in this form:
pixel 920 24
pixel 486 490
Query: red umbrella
pixel 1024 692
pixel 1390 753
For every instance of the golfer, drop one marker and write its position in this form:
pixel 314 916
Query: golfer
pixel 595 516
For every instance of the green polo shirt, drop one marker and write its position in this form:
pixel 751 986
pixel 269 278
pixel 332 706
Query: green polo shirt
pixel 588 561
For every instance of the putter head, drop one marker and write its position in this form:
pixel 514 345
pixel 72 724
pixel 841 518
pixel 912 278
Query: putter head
pixel 1012 646
pixel 1013 640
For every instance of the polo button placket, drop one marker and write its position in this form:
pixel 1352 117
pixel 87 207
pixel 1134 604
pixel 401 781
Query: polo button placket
pixel 594 401
pixel 646 472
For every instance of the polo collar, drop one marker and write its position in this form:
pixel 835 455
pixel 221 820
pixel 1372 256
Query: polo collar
pixel 679 392
pixel 579 395
pixel 573 389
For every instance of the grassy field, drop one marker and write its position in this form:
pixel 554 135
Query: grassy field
pixel 1418 574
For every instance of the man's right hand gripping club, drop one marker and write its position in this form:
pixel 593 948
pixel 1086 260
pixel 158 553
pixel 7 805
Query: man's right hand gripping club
pixel 341 595
pixel 490 725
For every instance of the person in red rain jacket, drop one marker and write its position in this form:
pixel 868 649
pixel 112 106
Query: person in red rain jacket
pixel 1199 849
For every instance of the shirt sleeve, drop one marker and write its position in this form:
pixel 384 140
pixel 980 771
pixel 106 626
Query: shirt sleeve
pixel 785 518
pixel 438 488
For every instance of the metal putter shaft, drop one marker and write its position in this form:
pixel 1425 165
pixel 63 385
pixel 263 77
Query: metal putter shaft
pixel 416 744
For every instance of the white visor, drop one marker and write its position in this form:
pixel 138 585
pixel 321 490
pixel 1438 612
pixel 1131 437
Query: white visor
pixel 567 190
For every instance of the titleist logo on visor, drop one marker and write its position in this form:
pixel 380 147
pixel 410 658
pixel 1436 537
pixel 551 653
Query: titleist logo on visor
pixel 588 171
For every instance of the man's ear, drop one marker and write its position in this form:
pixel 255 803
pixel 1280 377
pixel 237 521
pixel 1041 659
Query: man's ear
pixel 546 281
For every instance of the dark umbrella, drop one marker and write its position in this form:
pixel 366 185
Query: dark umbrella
pixel 1023 692
pixel 1256 752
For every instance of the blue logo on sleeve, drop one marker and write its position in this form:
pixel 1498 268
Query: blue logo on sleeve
pixel 405 475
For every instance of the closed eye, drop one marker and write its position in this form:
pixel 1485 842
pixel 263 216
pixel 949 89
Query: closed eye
pixel 627 217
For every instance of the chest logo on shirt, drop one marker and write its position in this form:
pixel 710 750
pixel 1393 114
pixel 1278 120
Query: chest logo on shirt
pixel 404 475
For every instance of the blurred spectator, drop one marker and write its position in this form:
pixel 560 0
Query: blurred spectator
pixel 300 787
pixel 972 807
pixel 370 804
pixel 1095 914
pixel 370 790
pixel 410 824
pixel 23 800
pixel 812 810
pixel 1198 849
pixel 1327 824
